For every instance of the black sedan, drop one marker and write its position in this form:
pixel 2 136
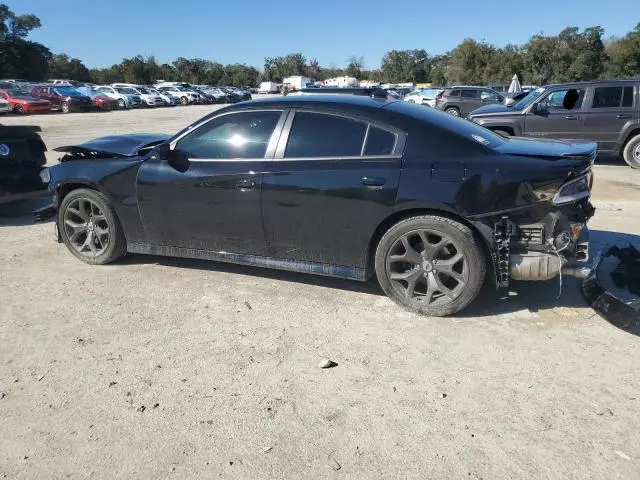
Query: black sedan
pixel 345 186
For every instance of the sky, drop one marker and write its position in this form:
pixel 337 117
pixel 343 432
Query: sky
pixel 102 33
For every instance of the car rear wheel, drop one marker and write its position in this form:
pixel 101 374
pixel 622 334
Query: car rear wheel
pixel 90 228
pixel 453 111
pixel 65 107
pixel 430 265
pixel 411 101
pixel 631 152
pixel 184 100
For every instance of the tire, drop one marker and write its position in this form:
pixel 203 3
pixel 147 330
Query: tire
pixel 631 152
pixel 453 111
pixel 18 109
pixel 184 100
pixel 411 101
pixel 503 133
pixel 122 104
pixel 65 107
pixel 446 277
pixel 83 218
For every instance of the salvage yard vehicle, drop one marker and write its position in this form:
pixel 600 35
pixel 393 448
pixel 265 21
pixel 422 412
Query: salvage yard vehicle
pixel 5 106
pixel 460 101
pixel 344 186
pixel 63 98
pixel 99 99
pixel 426 96
pixel 606 111
pixel 22 156
pixel 22 102
pixel 125 100
pixel 148 98
pixel 186 94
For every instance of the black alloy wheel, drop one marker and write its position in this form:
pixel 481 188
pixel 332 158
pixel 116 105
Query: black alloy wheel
pixel 90 228
pixel 430 265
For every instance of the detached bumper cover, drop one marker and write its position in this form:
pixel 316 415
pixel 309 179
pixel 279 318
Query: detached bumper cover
pixel 613 288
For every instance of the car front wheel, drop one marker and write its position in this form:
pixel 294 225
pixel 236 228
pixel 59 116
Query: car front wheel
pixel 184 100
pixel 122 104
pixel 90 228
pixel 430 265
pixel 631 152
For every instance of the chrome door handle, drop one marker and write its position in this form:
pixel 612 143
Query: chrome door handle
pixel 373 181
pixel 245 184
pixel 621 115
pixel 570 117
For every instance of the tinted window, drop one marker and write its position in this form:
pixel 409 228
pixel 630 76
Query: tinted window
pixel 627 97
pixel 239 135
pixel 469 94
pixel 489 95
pixel 320 135
pixel 555 100
pixel 454 93
pixel 379 142
pixel 611 97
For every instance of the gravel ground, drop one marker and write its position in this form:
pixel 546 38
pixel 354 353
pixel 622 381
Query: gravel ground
pixel 163 368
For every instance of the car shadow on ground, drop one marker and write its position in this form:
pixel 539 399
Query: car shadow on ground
pixel 20 214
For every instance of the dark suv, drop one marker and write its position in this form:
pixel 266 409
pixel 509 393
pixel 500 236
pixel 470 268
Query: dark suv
pixel 606 111
pixel 460 101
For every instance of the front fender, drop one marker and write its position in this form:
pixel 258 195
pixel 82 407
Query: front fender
pixel 501 124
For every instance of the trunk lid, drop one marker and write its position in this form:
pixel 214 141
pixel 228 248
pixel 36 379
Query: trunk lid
pixel 549 149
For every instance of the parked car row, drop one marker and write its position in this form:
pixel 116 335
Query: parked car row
pixel 25 97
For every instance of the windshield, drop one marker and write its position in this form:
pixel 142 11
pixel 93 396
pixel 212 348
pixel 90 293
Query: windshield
pixel 183 89
pixel 430 92
pixel 146 91
pixel 65 91
pixel 528 100
pixel 17 92
pixel 127 90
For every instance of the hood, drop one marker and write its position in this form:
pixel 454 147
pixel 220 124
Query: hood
pixel 119 145
pixel 549 148
pixel 493 108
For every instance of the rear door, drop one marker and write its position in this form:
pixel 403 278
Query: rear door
pixel 333 180
pixel 469 101
pixel 552 119
pixel 611 110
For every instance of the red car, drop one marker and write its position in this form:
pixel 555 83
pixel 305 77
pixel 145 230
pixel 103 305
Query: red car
pixel 22 102
pixel 104 103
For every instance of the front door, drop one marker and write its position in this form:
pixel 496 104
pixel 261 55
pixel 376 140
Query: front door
pixel 610 109
pixel 333 180
pixel 469 101
pixel 553 120
pixel 213 205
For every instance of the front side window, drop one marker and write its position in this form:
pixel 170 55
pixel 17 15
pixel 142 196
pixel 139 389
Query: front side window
pixel 322 135
pixel 469 94
pixel 613 97
pixel 555 100
pixel 238 135
pixel 489 95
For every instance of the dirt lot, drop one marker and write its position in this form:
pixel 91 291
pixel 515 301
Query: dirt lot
pixel 161 368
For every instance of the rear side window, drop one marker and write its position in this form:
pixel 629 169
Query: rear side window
pixel 613 97
pixel 454 93
pixel 469 94
pixel 322 135
pixel 379 142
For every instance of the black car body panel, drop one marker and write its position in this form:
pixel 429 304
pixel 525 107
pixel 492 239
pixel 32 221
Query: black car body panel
pixel 324 214
pixel 121 145
pixel 22 156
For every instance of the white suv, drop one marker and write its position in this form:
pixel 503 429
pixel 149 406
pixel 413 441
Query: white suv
pixel 186 96
pixel 148 98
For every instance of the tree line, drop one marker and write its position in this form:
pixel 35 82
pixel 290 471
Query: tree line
pixel 572 55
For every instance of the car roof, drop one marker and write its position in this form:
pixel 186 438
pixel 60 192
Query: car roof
pixel 318 100
pixel 614 81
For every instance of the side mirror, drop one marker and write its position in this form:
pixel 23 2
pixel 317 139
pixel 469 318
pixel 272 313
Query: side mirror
pixel 176 158
pixel 537 108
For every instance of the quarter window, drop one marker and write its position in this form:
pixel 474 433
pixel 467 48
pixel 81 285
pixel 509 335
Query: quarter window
pixel 238 135
pixel 613 97
pixel 322 135
pixel 379 142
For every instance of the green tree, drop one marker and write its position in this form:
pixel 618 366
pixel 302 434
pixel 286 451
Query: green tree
pixel 61 66
pixel 624 55
pixel 355 67
pixel 405 66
